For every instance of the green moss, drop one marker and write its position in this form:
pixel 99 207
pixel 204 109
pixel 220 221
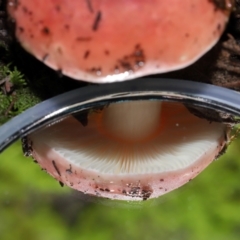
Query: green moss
pixel 15 95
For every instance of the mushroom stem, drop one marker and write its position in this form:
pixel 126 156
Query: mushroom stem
pixel 132 121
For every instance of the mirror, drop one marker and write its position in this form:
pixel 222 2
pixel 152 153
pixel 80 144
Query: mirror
pixel 35 203
pixel 128 150
pixel 126 141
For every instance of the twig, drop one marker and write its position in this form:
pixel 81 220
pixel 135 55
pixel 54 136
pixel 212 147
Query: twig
pixel 4 80
pixel 11 104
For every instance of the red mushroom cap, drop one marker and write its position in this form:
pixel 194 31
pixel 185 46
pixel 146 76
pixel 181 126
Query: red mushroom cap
pixel 106 41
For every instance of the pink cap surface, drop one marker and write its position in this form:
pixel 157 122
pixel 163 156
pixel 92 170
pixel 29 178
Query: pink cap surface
pixel 106 40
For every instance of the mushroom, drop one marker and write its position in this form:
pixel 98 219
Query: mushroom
pixel 118 152
pixel 106 41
